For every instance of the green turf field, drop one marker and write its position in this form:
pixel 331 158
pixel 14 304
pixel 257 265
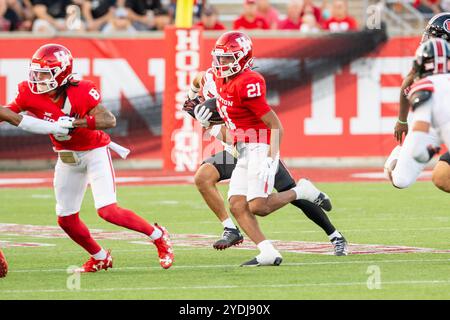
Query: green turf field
pixel 367 213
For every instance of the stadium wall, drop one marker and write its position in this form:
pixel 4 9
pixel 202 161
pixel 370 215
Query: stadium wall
pixel 336 95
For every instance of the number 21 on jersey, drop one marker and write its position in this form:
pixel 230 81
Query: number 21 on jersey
pixel 253 90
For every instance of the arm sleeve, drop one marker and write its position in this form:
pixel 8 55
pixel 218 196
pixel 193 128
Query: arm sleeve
pixel 39 126
pixel 253 96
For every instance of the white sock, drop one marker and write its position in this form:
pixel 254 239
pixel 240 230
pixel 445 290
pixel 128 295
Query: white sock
pixel 266 247
pixel 335 234
pixel 101 255
pixel 306 190
pixel 156 234
pixel 228 223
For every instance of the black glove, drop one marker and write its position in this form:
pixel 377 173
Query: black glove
pixel 189 105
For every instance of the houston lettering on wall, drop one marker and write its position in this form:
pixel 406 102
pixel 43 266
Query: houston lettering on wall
pixel 348 112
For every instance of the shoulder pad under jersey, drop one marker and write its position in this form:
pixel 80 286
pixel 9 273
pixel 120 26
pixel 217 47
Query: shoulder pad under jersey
pixel 418 97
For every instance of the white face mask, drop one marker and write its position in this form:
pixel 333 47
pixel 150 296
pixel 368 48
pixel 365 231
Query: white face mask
pixel 43 80
pixel 223 70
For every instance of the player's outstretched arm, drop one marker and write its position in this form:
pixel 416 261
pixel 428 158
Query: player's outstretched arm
pixel 31 124
pixel 10 116
pixel 98 118
pixel 401 126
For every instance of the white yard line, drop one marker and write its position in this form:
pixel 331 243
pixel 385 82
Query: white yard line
pixel 363 230
pixel 292 264
pixel 176 288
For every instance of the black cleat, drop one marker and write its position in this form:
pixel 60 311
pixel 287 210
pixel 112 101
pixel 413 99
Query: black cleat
pixel 254 263
pixel 230 237
pixel 323 201
pixel 340 246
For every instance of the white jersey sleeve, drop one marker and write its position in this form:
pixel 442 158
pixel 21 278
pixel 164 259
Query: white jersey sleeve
pixel 209 89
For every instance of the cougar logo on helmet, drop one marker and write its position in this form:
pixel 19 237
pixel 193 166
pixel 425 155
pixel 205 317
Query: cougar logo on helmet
pixel 447 25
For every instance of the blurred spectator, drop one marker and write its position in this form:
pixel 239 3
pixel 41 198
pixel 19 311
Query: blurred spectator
pixel 5 23
pixel 119 22
pixel 162 19
pixel 268 12
pixel 249 18
pixel 340 21
pixel 309 23
pixel 325 10
pixel 73 17
pixel 428 6
pixel 15 15
pixel 141 12
pixel 293 20
pixel 50 15
pixel 309 7
pixel 209 19
pixel 445 5
pixel 97 13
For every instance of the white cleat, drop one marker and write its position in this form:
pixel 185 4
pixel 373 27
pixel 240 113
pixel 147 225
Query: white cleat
pixel 305 190
pixel 264 260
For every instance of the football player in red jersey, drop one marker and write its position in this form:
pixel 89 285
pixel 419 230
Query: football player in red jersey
pixel 256 132
pixel 51 93
pixel 221 165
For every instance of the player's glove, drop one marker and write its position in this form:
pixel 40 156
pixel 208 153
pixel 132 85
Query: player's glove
pixel 268 169
pixel 190 104
pixel 202 114
pixel 60 131
pixel 66 122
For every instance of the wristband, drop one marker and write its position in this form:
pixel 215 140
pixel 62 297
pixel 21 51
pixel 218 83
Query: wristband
pixel 402 122
pixel 90 120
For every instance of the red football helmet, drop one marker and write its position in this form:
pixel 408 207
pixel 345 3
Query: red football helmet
pixel 50 68
pixel 232 54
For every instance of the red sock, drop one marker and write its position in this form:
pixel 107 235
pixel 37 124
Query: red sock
pixel 79 233
pixel 125 218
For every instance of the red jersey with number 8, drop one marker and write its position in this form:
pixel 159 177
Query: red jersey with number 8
pixel 81 99
pixel 241 103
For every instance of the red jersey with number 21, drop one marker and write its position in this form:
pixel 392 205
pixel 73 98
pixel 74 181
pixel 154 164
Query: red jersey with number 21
pixel 82 98
pixel 242 103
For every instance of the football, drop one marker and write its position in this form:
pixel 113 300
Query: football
pixel 211 105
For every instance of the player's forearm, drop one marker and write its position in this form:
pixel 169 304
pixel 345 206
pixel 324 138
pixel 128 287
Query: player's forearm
pixel 404 103
pixel 404 108
pixel 10 116
pixel 276 137
pixel 272 121
pixel 96 122
pixel 39 126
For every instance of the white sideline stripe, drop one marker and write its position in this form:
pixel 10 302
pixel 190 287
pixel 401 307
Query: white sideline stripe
pixel 381 175
pixel 9 181
pixel 299 285
pixel 24 181
pixel 292 264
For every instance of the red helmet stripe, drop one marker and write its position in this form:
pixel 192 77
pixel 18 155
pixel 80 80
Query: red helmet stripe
pixel 439 56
